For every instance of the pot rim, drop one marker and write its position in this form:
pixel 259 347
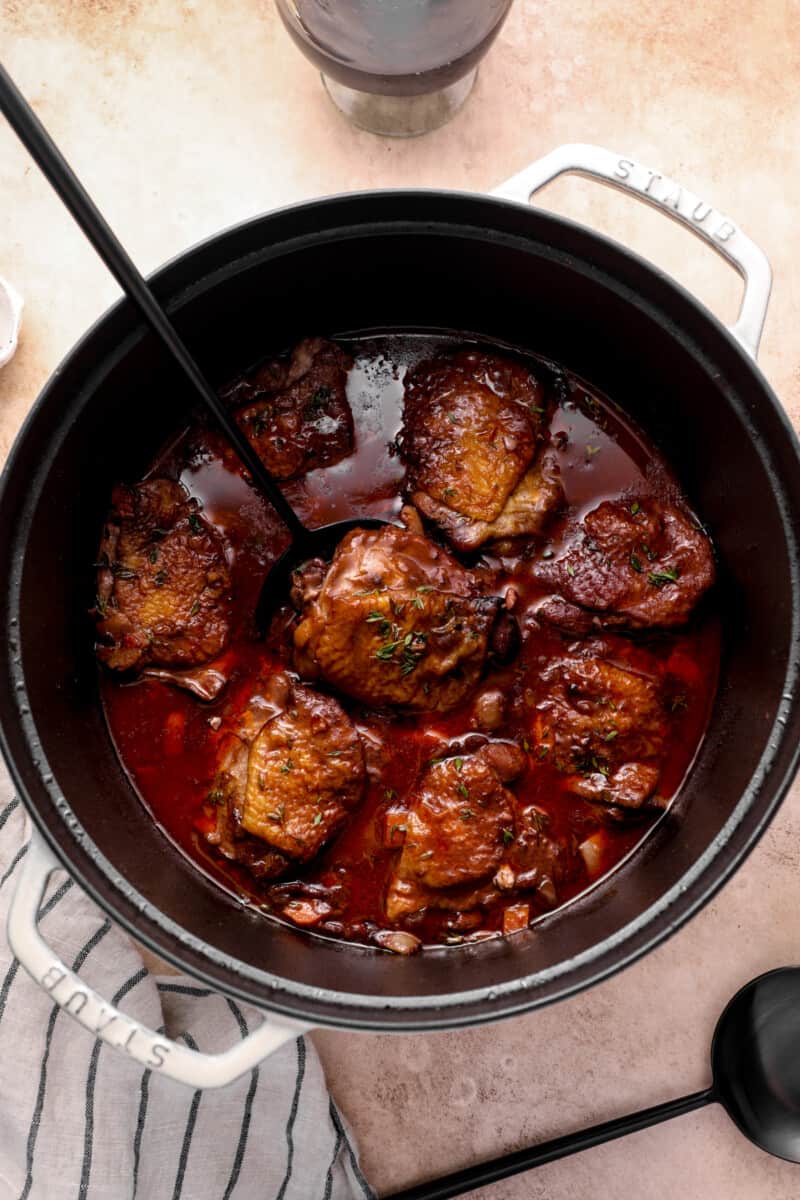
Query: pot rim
pixel 280 995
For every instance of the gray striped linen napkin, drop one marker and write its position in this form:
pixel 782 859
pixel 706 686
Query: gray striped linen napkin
pixel 79 1121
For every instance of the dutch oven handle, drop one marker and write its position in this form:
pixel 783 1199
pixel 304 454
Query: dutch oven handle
pixel 674 200
pixel 107 1022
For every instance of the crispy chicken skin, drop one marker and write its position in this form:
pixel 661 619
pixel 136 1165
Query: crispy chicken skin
pixel 296 412
pixel 460 820
pixel 163 584
pixel 288 775
pixel 603 727
pixel 637 564
pixel 473 424
pixel 393 620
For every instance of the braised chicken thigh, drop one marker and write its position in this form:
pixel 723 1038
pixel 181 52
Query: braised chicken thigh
pixel 473 429
pixel 289 773
pixel 636 563
pixel 603 727
pixel 296 412
pixel 393 620
pixel 460 821
pixel 163 583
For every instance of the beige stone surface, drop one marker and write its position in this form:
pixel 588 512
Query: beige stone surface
pixel 185 117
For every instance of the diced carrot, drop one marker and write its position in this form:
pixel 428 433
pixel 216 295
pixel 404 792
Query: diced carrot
pixel 394 828
pixel 516 918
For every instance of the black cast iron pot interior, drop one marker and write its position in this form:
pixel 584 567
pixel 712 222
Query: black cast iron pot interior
pixel 400 260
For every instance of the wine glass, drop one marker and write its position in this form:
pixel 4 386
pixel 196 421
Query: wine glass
pixel 396 67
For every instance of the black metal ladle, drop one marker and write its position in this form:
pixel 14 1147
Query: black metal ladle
pixel 755 1068
pixel 305 543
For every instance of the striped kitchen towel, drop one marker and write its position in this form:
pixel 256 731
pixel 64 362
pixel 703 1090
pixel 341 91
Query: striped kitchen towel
pixel 79 1121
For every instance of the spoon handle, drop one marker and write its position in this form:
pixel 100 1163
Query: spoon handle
pixel 55 168
pixel 482 1174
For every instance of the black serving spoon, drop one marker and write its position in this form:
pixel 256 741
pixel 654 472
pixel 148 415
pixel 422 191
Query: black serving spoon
pixel 755 1067
pixel 305 543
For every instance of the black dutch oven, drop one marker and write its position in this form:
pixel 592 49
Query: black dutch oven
pixel 488 266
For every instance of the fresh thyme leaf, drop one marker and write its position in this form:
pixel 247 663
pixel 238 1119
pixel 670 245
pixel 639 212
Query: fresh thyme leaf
pixel 459 762
pixel 425 588
pixel 636 563
pixel 543 751
pixel 374 616
pixel 508 834
pixel 120 572
pixel 317 819
pixel 287 767
pixel 570 569
pixel 660 579
pixel 153 555
pixel 462 789
pixel 635 508
pixel 195 524
pixel 466 814
pixel 160 578
pixel 611 734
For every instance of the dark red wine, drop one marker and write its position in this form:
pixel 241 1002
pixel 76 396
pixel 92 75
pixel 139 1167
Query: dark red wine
pixel 394 47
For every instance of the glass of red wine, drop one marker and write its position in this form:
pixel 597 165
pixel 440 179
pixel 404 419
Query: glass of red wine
pixel 397 67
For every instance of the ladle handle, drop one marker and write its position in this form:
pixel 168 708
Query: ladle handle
pixel 495 1169
pixel 57 171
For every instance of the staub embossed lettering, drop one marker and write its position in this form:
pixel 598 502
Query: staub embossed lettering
pixel 670 195
pixel 100 1018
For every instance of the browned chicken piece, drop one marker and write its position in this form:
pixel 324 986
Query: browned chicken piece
pixel 472 425
pixel 289 775
pixel 460 821
pixel 637 564
pixel 535 862
pixel 604 727
pixel 295 412
pixel 163 584
pixel 393 620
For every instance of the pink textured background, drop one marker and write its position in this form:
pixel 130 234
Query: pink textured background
pixel 184 118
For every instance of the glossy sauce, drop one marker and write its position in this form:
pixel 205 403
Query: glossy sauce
pixel 167 739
